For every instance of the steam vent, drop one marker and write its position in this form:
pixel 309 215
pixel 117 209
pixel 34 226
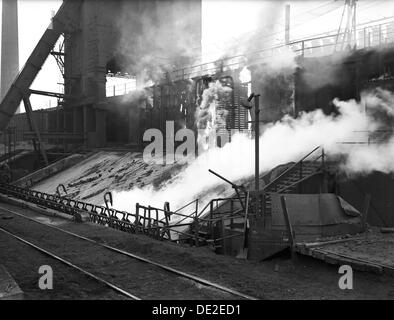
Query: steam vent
pixel 196 150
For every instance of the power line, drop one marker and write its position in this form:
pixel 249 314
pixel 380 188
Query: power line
pixel 240 42
pixel 294 26
pixel 273 24
pixel 338 4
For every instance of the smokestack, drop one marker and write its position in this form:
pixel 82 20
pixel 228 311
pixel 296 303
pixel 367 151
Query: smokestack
pixel 9 46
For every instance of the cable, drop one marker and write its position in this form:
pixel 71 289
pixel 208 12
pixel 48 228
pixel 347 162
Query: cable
pixel 265 37
pixel 235 39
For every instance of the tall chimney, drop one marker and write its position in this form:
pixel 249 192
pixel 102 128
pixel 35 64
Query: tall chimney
pixel 9 45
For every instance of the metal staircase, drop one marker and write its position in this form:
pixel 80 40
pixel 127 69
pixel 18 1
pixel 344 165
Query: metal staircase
pixel 288 181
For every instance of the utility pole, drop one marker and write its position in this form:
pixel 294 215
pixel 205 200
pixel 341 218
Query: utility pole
pixel 347 26
pixel 256 122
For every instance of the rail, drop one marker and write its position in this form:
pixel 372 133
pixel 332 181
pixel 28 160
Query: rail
pixel 283 174
pixel 145 220
pixel 177 272
pixel 366 37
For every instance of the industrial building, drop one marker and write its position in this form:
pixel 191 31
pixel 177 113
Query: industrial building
pixel 137 65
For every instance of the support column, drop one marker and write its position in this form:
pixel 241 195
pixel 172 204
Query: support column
pixel 33 127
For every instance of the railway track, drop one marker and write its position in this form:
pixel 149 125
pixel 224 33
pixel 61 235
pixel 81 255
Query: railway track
pixel 145 279
pixel 69 264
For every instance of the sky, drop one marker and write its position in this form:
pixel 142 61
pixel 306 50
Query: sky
pixel 223 21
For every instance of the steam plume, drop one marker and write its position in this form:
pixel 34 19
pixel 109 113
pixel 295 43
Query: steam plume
pixel 281 142
pixel 209 116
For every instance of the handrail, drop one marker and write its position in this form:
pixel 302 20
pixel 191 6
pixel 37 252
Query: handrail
pixel 186 205
pixel 297 182
pixel 302 179
pixel 203 210
pixel 198 214
pixel 289 169
pixel 220 63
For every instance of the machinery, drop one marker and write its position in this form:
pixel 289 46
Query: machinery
pixel 20 88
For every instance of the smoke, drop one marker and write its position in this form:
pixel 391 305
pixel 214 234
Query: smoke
pixel 379 100
pixel 211 116
pixel 318 73
pixel 274 80
pixel 141 97
pixel 156 37
pixel 281 141
pixel 267 33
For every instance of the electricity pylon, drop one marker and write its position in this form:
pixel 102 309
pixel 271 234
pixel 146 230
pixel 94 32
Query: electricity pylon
pixel 346 36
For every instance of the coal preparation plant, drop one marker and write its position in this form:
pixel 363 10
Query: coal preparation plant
pixel 196 150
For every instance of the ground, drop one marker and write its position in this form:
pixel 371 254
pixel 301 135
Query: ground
pixel 279 278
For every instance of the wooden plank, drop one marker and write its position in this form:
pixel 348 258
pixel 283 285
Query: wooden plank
pixel 323 243
pixel 335 258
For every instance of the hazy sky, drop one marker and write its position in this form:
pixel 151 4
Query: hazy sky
pixel 222 20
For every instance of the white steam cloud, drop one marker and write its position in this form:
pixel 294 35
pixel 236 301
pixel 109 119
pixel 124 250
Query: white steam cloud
pixel 158 36
pixel 210 117
pixel 281 142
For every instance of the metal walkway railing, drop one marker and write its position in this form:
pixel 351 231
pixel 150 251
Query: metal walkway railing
pixel 366 37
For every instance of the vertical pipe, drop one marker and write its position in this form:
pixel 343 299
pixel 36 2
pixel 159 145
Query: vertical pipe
pixel 196 232
pixel 157 224
pixel 144 223
pixel 211 217
pixel 365 37
pixel 380 34
pixel 150 219
pixel 287 24
pixel 355 23
pixel 223 236
pixel 196 208
pixel 257 149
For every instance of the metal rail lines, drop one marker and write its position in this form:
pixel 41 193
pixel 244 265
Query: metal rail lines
pixel 167 269
pixel 73 266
